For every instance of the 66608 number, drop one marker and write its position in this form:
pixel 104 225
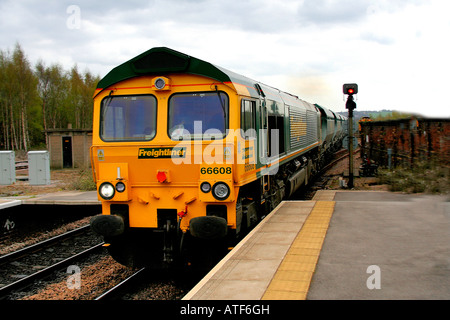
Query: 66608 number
pixel 215 170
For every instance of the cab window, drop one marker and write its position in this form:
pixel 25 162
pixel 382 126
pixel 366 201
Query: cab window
pixel 200 115
pixel 128 118
pixel 248 115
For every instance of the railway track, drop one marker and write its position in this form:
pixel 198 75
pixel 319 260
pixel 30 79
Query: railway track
pixel 22 268
pixel 7 258
pixel 321 179
pixel 29 280
pixel 338 156
pixel 22 276
pixel 123 286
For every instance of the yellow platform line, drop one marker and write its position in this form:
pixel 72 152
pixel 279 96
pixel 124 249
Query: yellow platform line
pixel 293 276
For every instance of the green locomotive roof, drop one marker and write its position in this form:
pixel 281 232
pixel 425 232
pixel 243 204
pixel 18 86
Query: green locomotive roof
pixel 162 60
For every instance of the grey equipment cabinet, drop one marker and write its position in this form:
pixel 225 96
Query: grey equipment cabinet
pixel 38 167
pixel 7 167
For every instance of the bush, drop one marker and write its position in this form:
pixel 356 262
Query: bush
pixel 421 179
pixel 85 181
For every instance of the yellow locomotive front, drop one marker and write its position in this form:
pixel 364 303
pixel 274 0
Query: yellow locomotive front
pixel 163 159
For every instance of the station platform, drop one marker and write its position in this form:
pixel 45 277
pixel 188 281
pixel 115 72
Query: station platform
pixel 56 198
pixel 340 245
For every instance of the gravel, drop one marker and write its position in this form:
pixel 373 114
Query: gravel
pixel 99 276
pixel 95 279
pixel 13 244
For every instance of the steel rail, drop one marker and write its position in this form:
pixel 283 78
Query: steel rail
pixel 117 288
pixel 25 282
pixel 40 245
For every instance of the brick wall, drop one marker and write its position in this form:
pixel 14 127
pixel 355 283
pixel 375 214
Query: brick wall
pixel 81 143
pixel 80 149
pixel 410 140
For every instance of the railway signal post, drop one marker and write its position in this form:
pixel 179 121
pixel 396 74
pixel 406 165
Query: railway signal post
pixel 350 89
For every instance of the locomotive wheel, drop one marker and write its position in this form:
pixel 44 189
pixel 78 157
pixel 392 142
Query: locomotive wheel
pixel 123 251
pixel 203 253
pixel 137 249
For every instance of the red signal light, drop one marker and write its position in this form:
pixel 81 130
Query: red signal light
pixel 161 176
pixel 350 88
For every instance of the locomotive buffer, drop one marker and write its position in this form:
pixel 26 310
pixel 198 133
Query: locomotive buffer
pixel 350 89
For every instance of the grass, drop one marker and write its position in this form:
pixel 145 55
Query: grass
pixel 423 178
pixel 84 181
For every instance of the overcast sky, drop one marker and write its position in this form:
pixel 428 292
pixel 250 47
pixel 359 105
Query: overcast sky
pixel 397 51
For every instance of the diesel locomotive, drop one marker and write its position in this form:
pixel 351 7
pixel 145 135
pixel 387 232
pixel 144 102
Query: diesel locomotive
pixel 187 155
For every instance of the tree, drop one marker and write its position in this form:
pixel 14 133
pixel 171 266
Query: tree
pixel 52 89
pixel 81 88
pixel 19 100
pixel 33 101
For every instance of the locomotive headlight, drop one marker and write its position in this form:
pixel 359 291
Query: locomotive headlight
pixel 106 190
pixel 160 83
pixel 120 187
pixel 221 191
pixel 205 187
